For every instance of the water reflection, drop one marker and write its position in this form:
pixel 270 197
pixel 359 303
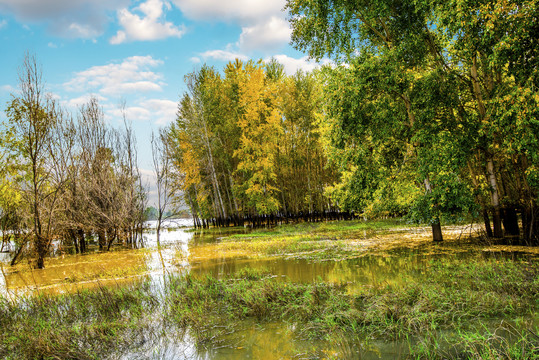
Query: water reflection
pixel 183 250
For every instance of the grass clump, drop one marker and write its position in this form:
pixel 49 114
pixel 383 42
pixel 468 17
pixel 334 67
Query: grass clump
pixel 445 299
pixel 504 342
pixel 85 325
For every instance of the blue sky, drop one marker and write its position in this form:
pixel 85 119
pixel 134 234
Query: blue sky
pixel 136 52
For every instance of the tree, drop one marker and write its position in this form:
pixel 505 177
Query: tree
pixel 34 116
pixel 246 146
pixel 455 69
pixel 162 168
pixel 260 129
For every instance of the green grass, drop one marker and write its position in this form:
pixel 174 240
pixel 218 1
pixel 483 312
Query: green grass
pixel 332 229
pixel 321 241
pixel 108 322
pixel 448 297
pixel 84 325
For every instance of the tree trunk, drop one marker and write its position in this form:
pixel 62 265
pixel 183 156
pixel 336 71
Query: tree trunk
pixel 18 253
pixel 82 241
pixel 436 226
pixel 486 219
pixel 510 221
pixel 41 250
pixel 495 200
pixel 437 231
pixel 101 239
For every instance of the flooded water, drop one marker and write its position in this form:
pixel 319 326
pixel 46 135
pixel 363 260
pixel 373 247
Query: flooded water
pixel 184 250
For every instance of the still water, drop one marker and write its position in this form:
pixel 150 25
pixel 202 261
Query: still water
pixel 183 250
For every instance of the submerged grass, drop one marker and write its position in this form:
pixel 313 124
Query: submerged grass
pixel 88 324
pixel 110 322
pixel 447 297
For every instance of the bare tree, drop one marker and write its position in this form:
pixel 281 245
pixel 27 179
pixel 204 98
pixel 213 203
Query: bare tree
pixel 162 169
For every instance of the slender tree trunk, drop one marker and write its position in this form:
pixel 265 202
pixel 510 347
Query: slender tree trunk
pixel 436 226
pixel 494 197
pixel 82 241
pixel 486 220
pixel 18 253
pixel 213 172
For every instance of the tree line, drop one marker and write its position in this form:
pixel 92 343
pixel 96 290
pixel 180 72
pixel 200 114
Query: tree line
pixel 434 108
pixel 65 178
pixel 429 110
pixel 246 146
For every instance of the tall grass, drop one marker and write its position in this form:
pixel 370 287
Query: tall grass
pixel 109 322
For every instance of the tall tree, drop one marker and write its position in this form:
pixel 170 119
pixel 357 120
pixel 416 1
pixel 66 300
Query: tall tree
pixel 33 116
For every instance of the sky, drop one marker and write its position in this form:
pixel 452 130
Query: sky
pixel 136 52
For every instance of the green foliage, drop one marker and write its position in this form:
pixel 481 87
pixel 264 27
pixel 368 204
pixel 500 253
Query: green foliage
pixel 248 143
pixel 442 93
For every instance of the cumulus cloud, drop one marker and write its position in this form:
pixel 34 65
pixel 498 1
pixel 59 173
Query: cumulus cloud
pixel 292 65
pixel 77 102
pixel 267 35
pixel 158 111
pixel 133 74
pixel 263 22
pixel 244 11
pixel 223 55
pixel 150 26
pixel 66 18
pixel 163 110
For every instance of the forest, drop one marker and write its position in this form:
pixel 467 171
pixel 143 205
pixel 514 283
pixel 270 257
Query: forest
pixel 428 110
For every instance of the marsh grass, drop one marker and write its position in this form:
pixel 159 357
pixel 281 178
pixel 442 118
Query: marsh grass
pixel 84 325
pixel 338 240
pixel 450 296
pixel 503 342
pixel 111 321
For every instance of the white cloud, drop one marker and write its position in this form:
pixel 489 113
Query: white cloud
pixel 263 22
pixel 8 89
pixel 3 23
pixel 292 65
pixel 148 27
pixel 157 111
pixel 132 113
pixel 52 45
pixel 267 35
pixel 66 18
pixel 244 11
pixel 163 111
pixel 75 103
pixel 223 55
pixel 131 75
pixel 86 31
